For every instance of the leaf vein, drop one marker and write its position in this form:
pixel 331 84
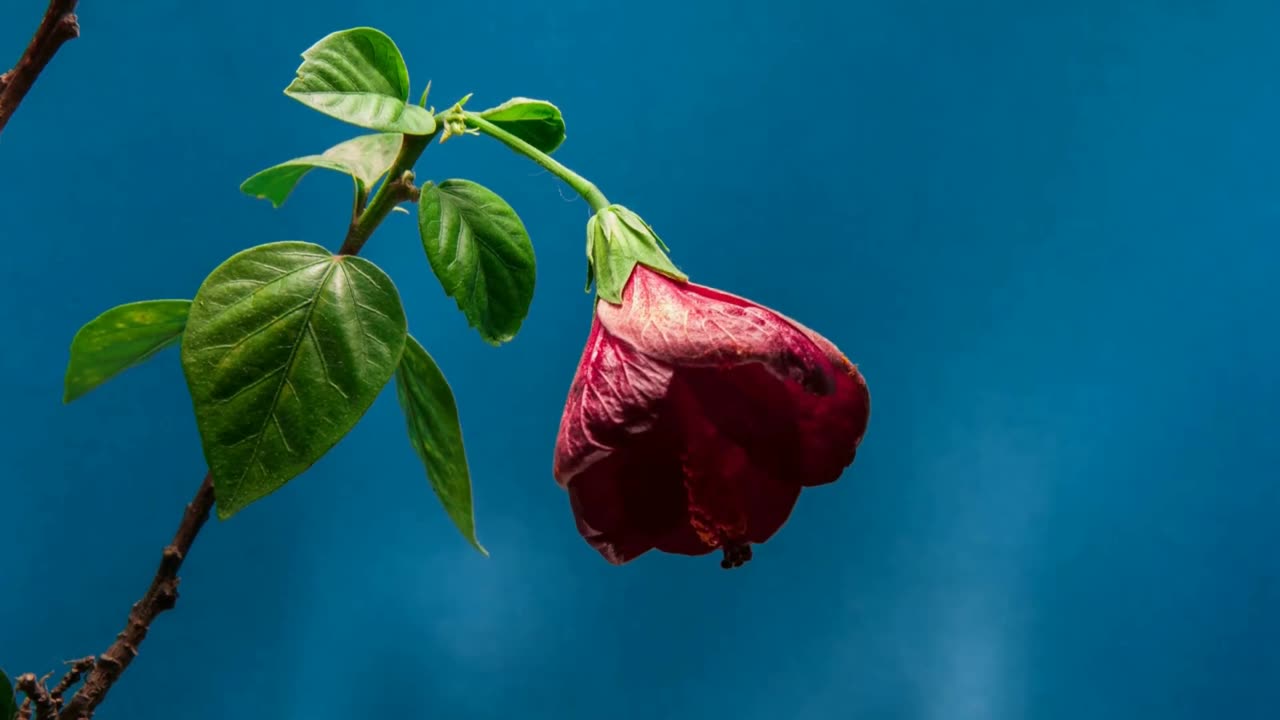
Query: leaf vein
pixel 275 399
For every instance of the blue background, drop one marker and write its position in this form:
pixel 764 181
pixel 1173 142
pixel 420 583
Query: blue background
pixel 1046 232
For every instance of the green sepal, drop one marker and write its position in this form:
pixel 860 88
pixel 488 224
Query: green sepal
pixel 618 239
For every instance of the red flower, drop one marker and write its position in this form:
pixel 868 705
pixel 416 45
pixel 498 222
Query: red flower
pixel 696 417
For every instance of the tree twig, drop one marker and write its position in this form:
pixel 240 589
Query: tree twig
pixel 39 697
pixel 161 596
pixel 58 26
pixel 163 593
pixel 78 669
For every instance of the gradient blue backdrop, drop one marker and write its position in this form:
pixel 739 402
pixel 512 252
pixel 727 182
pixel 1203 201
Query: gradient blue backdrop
pixel 1046 231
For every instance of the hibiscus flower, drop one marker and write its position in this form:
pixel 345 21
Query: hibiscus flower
pixel 695 417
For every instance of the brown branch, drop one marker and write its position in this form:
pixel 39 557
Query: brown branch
pixel 39 697
pixel 163 593
pixel 58 26
pixel 78 669
pixel 161 596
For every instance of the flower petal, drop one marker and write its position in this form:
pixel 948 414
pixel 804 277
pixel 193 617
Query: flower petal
pixel 614 394
pixel 738 483
pixel 688 325
pixel 696 417
pixel 683 485
pixel 629 501
pixel 797 438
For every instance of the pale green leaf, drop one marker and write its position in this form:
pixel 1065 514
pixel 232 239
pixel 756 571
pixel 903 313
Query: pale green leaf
pixel 358 76
pixel 537 122
pixel 365 158
pixel 120 338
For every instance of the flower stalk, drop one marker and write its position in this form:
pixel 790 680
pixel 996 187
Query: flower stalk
pixel 580 185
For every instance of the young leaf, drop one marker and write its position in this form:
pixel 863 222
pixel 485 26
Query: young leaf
pixel 481 253
pixel 120 338
pixel 365 159
pixel 359 77
pixel 286 348
pixel 537 122
pixel 436 435
pixel 8 705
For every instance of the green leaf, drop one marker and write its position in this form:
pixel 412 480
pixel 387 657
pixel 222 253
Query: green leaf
pixel 618 239
pixel 359 77
pixel 365 159
pixel 8 705
pixel 286 348
pixel 436 435
pixel 481 253
pixel 118 339
pixel 537 122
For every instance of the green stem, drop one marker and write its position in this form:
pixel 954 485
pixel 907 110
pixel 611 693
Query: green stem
pixel 580 185
pixel 397 188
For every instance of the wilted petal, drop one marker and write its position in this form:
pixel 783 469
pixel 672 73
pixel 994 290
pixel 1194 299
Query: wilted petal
pixel 630 501
pixel 806 438
pixel 737 485
pixel 688 325
pixel 696 417
pixel 683 486
pixel 613 395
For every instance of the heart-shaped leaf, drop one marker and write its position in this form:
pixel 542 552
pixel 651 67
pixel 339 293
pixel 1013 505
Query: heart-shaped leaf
pixel 436 435
pixel 358 76
pixel 286 348
pixel 481 253
pixel 8 705
pixel 537 122
pixel 365 159
pixel 120 338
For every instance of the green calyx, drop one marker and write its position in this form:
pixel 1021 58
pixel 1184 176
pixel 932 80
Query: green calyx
pixel 618 240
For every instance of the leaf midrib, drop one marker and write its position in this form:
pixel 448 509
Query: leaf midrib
pixel 284 379
pixel 350 92
pixel 477 208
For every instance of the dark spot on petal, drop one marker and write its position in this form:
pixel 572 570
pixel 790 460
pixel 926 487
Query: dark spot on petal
pixel 815 380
